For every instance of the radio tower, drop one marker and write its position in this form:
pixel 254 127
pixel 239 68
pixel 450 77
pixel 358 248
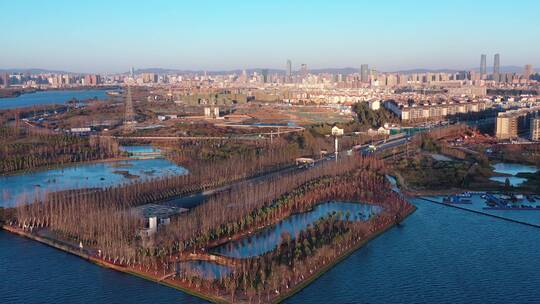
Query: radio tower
pixel 129 118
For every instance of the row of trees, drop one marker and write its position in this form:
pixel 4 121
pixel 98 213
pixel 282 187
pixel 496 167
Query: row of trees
pixel 260 279
pixel 102 220
pixel 24 148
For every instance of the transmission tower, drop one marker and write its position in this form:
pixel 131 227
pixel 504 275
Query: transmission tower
pixel 129 117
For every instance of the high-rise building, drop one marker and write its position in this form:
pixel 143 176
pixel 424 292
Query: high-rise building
pixel 244 76
pixel 535 129
pixel 364 73
pixel 288 76
pixel 150 77
pixel 132 72
pixel 483 66
pixel 506 127
pixel 92 80
pixel 5 80
pixel 264 75
pixel 303 70
pixel 528 71
pixel 496 67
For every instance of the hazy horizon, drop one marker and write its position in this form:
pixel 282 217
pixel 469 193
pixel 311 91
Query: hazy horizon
pixel 104 37
pixel 505 68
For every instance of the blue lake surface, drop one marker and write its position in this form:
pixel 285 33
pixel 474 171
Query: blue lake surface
pixel 50 97
pixel 24 187
pixel 512 169
pixel 205 269
pixel 477 203
pixel 438 255
pixel 514 181
pixel 139 149
pixel 269 238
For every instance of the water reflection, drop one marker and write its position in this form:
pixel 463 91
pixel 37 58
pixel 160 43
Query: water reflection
pixel 268 239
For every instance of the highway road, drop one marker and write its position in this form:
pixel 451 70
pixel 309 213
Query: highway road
pixel 193 200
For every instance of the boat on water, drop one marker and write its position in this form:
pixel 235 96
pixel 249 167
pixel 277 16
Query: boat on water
pixel 512 202
pixel 457 199
pixel 114 93
pixel 465 195
pixel 514 208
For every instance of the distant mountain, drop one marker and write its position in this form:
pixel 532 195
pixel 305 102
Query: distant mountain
pixel 36 71
pixel 178 71
pixel 504 69
pixel 344 71
pixel 419 71
pixel 347 70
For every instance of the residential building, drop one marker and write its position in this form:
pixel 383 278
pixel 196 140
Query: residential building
pixel 535 129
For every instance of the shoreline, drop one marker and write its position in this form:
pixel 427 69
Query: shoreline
pixel 166 282
pixel 99 262
pixel 305 283
pixel 24 91
pixel 410 191
pixel 67 165
pixel 478 212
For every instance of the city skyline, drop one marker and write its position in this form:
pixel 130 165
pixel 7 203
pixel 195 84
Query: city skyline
pixel 109 38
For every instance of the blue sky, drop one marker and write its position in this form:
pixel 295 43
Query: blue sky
pixel 111 36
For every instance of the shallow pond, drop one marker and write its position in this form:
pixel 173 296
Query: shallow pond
pixel 204 269
pixel 512 169
pixel 269 238
pixel 26 186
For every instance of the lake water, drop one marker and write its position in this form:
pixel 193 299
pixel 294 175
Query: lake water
pixel 266 240
pixel 438 255
pixel 204 269
pixel 50 97
pixel 139 149
pixel 28 185
pixel 477 203
pixel 512 169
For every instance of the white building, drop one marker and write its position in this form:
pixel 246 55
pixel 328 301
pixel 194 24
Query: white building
pixel 374 105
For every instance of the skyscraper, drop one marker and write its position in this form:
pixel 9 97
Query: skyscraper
pixel 527 71
pixel 5 80
pixel 265 75
pixel 244 76
pixel 288 76
pixel 303 70
pixel 483 67
pixel 364 73
pixel 496 67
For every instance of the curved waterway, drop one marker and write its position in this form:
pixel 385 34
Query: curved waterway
pixel 50 97
pixel 438 255
pixel 267 239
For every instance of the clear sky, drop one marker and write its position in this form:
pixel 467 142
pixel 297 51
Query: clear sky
pixel 113 35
